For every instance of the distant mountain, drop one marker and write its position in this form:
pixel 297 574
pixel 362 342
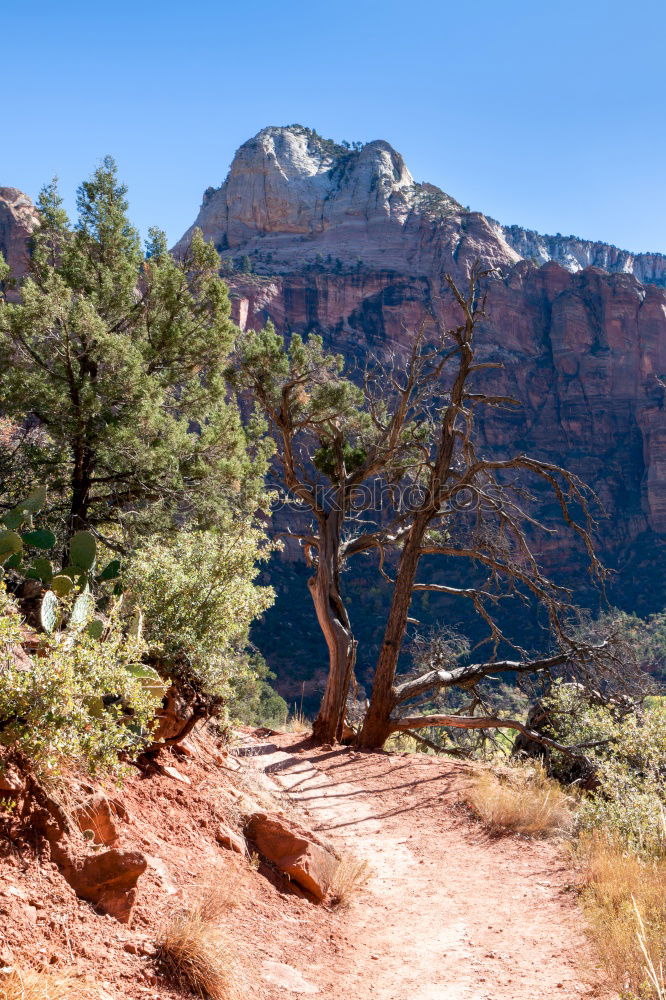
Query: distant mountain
pixel 291 195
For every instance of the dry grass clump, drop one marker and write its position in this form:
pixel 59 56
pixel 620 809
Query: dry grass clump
pixel 29 984
pixel 298 723
pixel 625 899
pixel 196 955
pixel 193 949
pixel 349 877
pixel 521 799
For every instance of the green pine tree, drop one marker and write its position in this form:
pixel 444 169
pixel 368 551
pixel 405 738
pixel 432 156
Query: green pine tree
pixel 119 358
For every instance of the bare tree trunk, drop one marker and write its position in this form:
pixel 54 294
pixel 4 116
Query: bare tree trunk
pixel 81 486
pixel 377 723
pixel 334 622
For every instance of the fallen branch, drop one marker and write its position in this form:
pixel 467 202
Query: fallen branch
pixel 480 722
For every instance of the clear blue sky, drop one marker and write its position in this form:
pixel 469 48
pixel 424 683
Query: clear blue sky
pixel 547 114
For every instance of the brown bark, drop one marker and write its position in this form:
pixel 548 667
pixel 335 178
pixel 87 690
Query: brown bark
pixel 376 725
pixel 334 623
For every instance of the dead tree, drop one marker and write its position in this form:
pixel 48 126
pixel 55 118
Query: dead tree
pixel 406 425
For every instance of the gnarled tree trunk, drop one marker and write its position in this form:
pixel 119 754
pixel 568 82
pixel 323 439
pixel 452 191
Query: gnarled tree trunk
pixel 334 622
pixel 377 723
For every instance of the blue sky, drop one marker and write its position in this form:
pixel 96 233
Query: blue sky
pixel 547 114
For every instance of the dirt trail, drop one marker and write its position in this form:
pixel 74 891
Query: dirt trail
pixel 449 913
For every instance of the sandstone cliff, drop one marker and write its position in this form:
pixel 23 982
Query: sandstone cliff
pixel 343 241
pixel 18 218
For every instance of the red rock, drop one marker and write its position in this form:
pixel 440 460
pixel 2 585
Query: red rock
pixel 293 850
pixel 582 341
pixel 11 782
pixel 18 219
pixel 229 839
pixel 95 814
pixel 108 880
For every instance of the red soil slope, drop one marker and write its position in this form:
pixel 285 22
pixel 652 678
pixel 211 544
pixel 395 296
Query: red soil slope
pixel 447 913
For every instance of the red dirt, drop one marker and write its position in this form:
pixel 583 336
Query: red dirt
pixel 449 914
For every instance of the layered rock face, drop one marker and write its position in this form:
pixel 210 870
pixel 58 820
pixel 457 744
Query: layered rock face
pixel 18 218
pixel 344 242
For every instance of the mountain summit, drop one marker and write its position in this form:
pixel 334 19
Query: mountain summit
pixel 292 196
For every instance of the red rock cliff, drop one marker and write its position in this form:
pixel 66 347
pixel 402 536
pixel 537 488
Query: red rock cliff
pixel 344 242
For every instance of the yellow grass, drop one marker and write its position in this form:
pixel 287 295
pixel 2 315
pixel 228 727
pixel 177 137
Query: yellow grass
pixel 625 900
pixel 196 954
pixel 298 723
pixel 29 984
pixel 194 949
pixel 348 878
pixel 521 800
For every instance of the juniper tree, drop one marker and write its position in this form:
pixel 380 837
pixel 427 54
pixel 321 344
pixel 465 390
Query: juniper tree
pixel 408 424
pixel 118 358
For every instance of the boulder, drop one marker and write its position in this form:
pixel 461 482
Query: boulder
pixel 11 782
pixel 293 850
pixel 96 815
pixel 108 880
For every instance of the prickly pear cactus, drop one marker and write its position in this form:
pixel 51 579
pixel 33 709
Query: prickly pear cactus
pixel 83 550
pixel 82 610
pixel 49 612
pixel 62 585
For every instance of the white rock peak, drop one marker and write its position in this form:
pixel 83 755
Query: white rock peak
pixel 292 197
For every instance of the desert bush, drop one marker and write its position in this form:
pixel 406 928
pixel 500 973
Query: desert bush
pixel 625 901
pixel 628 753
pixel 252 700
pixel 195 955
pixel 199 597
pixel 297 722
pixel 521 799
pixel 349 877
pixel 79 699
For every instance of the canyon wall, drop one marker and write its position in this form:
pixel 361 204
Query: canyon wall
pixel 345 243
pixel 18 218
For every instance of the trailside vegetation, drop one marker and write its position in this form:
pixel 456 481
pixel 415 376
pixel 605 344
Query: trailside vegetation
pixel 115 359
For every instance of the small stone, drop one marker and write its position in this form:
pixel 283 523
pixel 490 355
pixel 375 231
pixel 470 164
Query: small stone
pixel 232 841
pixel 173 772
pixel 286 978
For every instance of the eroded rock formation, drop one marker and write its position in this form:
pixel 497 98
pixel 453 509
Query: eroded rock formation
pixel 343 241
pixel 18 218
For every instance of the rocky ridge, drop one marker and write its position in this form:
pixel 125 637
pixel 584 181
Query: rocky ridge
pixel 18 218
pixel 343 241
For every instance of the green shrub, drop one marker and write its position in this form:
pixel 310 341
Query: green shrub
pixel 199 597
pixel 80 700
pixel 629 756
pixel 252 699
